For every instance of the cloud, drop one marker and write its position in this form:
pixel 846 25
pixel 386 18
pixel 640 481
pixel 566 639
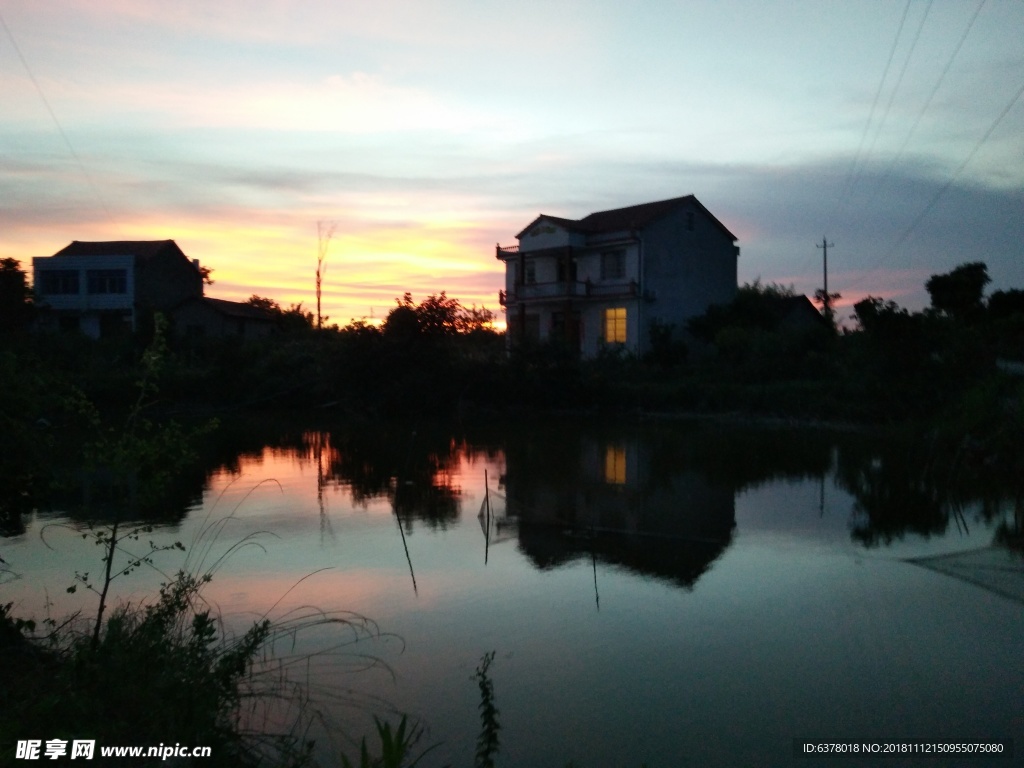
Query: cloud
pixel 431 131
pixel 883 245
pixel 887 238
pixel 426 233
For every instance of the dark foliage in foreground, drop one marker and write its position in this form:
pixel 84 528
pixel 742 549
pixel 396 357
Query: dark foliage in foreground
pixel 160 673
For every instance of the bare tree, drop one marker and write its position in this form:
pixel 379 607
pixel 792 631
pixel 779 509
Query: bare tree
pixel 324 233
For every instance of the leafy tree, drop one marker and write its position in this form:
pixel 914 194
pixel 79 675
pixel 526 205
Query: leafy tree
pixel 475 320
pixel 15 296
pixel 360 329
pixel 895 339
pixel 403 321
pixel 958 294
pixel 886 321
pixel 665 351
pixel 872 313
pixel 1006 326
pixel 759 337
pixel 827 301
pixel 436 316
pixel 1004 304
pixel 262 302
pixel 295 318
pixel 755 306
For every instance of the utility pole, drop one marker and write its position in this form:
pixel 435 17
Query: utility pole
pixel 826 301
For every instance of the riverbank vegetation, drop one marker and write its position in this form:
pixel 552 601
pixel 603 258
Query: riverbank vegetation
pixel 754 356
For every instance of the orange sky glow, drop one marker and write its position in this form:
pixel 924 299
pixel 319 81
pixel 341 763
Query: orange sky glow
pixel 426 136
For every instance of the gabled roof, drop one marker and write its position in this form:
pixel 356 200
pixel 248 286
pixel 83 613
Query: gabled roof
pixel 630 217
pixel 142 248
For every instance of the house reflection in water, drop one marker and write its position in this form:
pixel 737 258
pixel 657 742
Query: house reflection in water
pixel 628 501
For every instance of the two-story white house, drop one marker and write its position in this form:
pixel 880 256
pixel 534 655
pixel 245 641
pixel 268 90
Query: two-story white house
pixel 105 288
pixel 608 278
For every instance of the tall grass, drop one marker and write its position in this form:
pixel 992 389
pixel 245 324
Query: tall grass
pixel 168 672
pixel 487 742
pixel 397 747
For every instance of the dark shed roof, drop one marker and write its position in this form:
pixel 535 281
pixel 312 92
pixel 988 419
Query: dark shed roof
pixel 236 309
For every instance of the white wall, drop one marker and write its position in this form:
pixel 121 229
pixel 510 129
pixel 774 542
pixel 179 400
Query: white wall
pixel 547 234
pixel 86 305
pixel 83 300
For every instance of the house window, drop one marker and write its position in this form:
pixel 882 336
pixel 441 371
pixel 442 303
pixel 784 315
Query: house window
pixel 59 281
pixel 613 265
pixel 107 281
pixel 690 220
pixel 615 325
pixel 531 273
pixel 615 465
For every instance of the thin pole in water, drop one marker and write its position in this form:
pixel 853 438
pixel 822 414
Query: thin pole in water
pixel 398 516
pixel 487 519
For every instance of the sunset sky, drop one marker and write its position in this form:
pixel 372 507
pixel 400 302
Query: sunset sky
pixel 429 131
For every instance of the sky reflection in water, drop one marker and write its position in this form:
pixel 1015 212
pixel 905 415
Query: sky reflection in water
pixel 675 594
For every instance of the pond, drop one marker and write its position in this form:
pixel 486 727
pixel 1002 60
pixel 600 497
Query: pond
pixel 667 593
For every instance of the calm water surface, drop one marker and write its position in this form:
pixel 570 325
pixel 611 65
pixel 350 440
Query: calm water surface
pixel 675 594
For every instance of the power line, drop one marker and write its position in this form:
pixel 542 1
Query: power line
pixel 938 195
pixel 935 89
pixel 906 141
pixel 56 122
pixel 962 166
pixel 850 177
pixel 899 80
pixel 892 98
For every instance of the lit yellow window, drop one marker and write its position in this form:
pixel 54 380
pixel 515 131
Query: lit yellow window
pixel 615 465
pixel 615 325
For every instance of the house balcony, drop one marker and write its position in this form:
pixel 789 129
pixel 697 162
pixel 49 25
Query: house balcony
pixel 541 292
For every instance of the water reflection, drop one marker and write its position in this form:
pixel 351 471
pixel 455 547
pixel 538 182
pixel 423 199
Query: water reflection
pixel 98 496
pixel 902 487
pixel 413 468
pixel 729 566
pixel 654 497
pixel 623 497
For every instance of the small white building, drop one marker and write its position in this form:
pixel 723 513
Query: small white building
pixel 607 279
